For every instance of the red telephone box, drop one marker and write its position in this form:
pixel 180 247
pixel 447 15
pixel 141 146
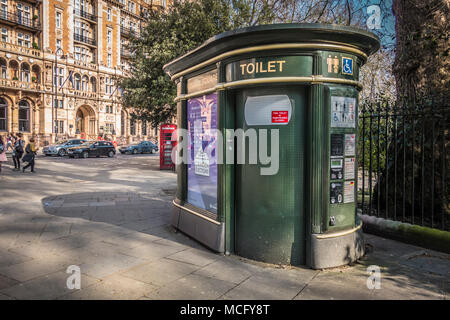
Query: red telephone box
pixel 167 142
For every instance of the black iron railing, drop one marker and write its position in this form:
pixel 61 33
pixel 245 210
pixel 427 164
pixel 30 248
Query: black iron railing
pixel 85 14
pixel 403 162
pixel 17 18
pixel 128 32
pixel 88 40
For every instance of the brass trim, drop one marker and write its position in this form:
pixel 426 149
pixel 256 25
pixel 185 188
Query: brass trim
pixel 239 83
pixel 195 213
pixel 338 234
pixel 318 46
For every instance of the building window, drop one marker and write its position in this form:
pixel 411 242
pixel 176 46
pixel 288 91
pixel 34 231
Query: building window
pixel 109 58
pixel 58 44
pixel 108 36
pixel 4 9
pixel 109 109
pixel 4 68
pixel 23 14
pixel 23 40
pixel 4 35
pixel 58 76
pixel 131 6
pixel 163 3
pixel 58 19
pixel 58 126
pixel 24 116
pixel 3 113
pixel 25 72
pixel 108 85
pixel 93 84
pixel 133 127
pixel 84 83
pixel 59 104
pixel 109 15
pixel 144 128
pixel 109 127
pixel 77 82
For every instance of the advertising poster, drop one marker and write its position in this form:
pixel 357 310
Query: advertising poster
pixel 350 144
pixel 349 191
pixel 343 112
pixel 202 164
pixel 349 168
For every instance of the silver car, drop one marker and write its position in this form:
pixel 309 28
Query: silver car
pixel 60 148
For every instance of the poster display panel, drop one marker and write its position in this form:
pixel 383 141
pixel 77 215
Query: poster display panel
pixel 202 162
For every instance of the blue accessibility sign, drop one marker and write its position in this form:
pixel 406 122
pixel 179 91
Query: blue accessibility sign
pixel 347 65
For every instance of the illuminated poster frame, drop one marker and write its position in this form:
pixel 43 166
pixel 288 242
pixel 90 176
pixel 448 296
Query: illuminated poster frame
pixel 202 162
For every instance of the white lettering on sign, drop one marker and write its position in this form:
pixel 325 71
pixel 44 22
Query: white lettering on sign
pixel 262 67
pixel 280 116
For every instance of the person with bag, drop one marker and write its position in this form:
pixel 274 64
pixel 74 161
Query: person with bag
pixel 18 151
pixel 30 155
pixel 2 152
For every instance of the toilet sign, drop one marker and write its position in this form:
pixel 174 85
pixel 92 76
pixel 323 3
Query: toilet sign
pixel 280 116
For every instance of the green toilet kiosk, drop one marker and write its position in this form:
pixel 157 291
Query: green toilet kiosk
pixel 267 157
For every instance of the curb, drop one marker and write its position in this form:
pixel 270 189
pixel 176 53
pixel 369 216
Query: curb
pixel 425 237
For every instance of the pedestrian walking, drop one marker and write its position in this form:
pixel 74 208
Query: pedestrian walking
pixel 18 151
pixel 9 143
pixel 30 155
pixel 2 152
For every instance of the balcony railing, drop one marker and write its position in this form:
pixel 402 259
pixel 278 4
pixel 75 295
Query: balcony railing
pixel 81 38
pixel 85 14
pixel 128 32
pixel 16 18
pixel 19 49
pixel 126 53
pixel 16 84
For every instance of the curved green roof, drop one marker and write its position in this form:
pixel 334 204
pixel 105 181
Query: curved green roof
pixel 272 34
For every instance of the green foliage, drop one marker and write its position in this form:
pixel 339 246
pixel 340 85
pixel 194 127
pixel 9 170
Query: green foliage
pixel 171 33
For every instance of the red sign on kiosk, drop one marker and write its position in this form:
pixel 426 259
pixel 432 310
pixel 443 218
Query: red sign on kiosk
pixel 167 142
pixel 280 116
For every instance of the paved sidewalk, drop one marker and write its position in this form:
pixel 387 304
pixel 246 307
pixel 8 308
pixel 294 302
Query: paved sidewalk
pixel 111 218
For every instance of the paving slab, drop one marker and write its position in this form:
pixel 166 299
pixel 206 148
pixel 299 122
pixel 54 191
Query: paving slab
pixel 6 282
pixel 46 287
pixel 228 269
pixel 194 256
pixel 35 268
pixel 271 285
pixel 160 272
pixel 116 287
pixel 195 287
pixel 8 258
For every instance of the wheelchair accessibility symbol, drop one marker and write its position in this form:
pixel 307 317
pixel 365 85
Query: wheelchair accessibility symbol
pixel 347 65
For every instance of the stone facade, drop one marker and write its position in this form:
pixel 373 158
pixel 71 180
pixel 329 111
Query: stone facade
pixel 59 61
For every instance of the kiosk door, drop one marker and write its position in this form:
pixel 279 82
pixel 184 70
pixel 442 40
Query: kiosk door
pixel 269 210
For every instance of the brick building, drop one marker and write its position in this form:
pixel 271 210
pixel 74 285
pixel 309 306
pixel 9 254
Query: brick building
pixel 59 63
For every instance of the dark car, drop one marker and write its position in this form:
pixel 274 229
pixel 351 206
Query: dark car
pixel 141 147
pixel 93 149
pixel 60 148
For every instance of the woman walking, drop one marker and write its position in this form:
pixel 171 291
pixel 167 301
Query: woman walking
pixel 30 154
pixel 18 151
pixel 2 152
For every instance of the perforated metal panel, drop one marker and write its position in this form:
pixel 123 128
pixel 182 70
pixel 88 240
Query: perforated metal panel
pixel 270 224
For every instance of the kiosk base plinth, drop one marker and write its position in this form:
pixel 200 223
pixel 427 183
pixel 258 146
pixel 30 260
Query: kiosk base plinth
pixel 334 250
pixel 210 234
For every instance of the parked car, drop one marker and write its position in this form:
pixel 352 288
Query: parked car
pixel 93 149
pixel 60 148
pixel 141 147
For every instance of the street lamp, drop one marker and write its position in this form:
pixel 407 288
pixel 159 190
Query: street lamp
pixel 55 79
